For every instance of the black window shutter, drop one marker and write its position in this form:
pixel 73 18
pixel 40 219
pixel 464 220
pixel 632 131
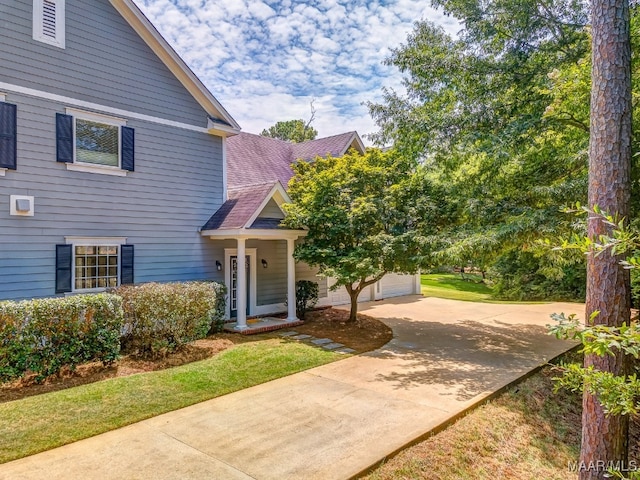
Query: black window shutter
pixel 127 148
pixel 126 264
pixel 8 156
pixel 63 268
pixel 64 138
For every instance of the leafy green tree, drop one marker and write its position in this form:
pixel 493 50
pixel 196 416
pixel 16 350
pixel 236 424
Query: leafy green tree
pixel 366 216
pixel 476 112
pixel 295 131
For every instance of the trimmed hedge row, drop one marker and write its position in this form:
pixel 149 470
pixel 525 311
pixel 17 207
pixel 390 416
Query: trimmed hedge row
pixel 44 335
pixel 161 317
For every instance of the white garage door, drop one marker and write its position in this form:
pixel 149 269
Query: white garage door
pixel 394 285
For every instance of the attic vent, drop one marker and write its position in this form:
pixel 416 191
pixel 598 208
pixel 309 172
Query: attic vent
pixel 48 22
pixel 49 19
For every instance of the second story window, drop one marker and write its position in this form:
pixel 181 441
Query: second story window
pixel 48 22
pixel 91 142
pixel 97 143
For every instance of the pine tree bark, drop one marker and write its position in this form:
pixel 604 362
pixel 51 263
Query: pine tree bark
pixel 605 438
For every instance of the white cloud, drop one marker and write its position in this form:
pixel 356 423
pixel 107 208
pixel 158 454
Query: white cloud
pixel 265 60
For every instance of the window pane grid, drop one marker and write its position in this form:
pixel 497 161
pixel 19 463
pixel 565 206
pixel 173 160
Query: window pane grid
pixel 96 266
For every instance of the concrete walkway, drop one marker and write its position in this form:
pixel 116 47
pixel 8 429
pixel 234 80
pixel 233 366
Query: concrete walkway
pixel 333 421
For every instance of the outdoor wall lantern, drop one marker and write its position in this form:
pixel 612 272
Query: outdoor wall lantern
pixel 264 263
pixel 218 265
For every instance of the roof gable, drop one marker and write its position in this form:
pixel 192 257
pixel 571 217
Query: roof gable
pixel 244 206
pixel 220 121
pixel 336 146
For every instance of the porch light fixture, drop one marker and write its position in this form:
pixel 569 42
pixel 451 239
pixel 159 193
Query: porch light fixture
pixel 218 265
pixel 264 263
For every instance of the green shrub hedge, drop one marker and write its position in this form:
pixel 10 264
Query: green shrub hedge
pixel 44 335
pixel 161 317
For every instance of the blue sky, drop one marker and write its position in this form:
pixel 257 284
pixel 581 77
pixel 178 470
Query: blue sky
pixel 265 60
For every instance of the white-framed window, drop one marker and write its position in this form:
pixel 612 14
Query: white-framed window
pixel 48 22
pixel 95 263
pixel 94 143
pixel 97 143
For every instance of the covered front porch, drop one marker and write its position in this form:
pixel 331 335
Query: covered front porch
pixel 266 284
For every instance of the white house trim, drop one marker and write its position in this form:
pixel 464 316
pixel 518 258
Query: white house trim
pixel 280 198
pixel 221 129
pixel 354 138
pixel 3 98
pixel 101 108
pixel 90 241
pixel 134 16
pixel 225 191
pixel 101 169
pixel 253 233
pixel 96 117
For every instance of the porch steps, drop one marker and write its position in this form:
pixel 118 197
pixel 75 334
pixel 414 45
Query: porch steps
pixel 262 325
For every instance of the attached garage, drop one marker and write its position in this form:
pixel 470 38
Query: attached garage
pixel 391 285
pixel 395 285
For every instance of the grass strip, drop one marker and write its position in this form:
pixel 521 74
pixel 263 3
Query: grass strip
pixel 43 422
pixel 453 287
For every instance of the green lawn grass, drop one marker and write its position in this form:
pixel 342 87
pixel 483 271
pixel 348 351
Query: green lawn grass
pixel 42 422
pixel 454 287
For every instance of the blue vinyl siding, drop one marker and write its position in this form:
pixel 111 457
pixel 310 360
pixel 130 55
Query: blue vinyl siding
pixel 177 183
pixel 105 62
pixel 159 207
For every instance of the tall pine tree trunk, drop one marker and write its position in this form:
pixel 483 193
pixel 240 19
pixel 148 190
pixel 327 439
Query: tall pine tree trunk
pixel 605 438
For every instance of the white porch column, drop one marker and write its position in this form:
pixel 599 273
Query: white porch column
pixel 291 281
pixel 241 287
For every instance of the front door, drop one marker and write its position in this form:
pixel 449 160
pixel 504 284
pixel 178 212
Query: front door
pixel 234 284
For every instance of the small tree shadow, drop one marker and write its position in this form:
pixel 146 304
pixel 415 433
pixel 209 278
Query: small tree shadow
pixel 469 357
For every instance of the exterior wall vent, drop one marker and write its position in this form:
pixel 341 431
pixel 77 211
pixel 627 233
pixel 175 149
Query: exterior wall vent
pixel 48 22
pixel 22 205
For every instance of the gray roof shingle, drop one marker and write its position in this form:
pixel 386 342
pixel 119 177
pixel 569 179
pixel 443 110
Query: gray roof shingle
pixel 238 209
pixel 254 159
pixel 255 163
pixel 335 146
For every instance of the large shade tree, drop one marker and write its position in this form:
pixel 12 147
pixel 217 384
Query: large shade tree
pixel 475 110
pixel 366 216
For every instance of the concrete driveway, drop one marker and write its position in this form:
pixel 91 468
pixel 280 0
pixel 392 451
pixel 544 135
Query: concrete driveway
pixel 334 421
